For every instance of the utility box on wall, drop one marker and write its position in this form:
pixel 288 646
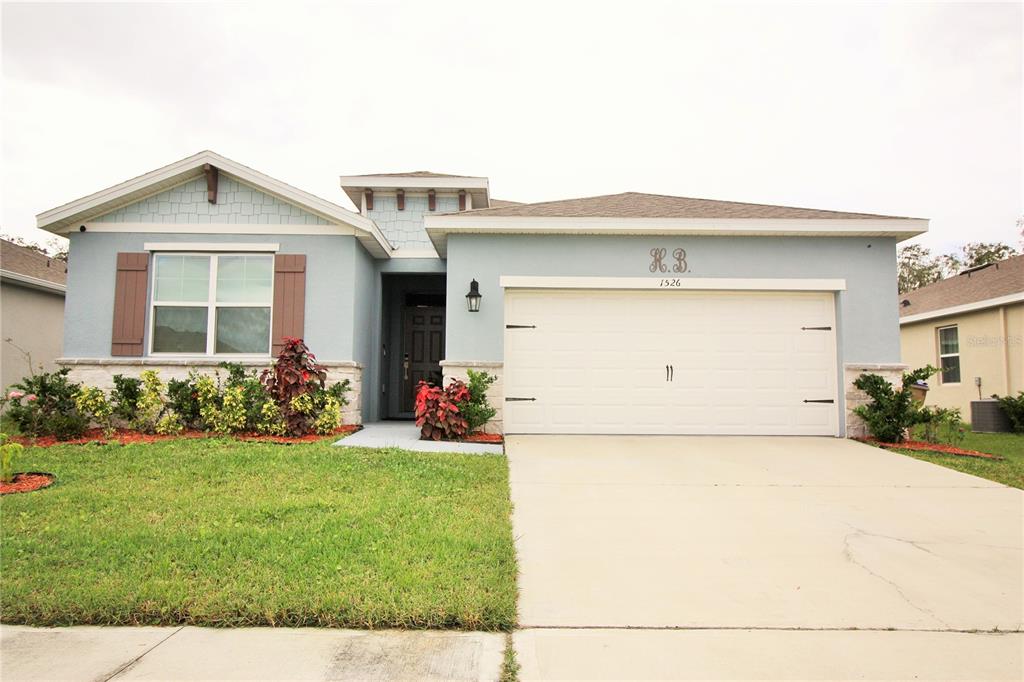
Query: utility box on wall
pixel 987 416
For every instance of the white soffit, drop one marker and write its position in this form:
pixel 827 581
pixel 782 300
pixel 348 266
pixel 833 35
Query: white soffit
pixel 440 226
pixel 68 217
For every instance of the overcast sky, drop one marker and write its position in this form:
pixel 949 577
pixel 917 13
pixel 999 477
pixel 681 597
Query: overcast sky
pixel 901 109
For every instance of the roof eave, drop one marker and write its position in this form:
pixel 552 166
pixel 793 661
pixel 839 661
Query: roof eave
pixel 355 185
pixel 438 227
pixel 963 308
pixel 32 282
pixel 61 219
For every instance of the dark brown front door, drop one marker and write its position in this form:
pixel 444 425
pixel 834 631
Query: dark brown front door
pixel 423 348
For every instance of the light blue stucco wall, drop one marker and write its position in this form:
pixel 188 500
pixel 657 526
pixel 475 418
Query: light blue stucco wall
pixel 337 270
pixel 236 203
pixel 866 314
pixel 404 229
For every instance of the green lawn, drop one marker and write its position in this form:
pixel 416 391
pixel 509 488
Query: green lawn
pixel 223 533
pixel 1009 471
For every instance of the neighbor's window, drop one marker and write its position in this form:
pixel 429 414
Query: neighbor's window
pixel 949 355
pixel 212 304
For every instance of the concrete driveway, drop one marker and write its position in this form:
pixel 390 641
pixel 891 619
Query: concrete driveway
pixel 718 557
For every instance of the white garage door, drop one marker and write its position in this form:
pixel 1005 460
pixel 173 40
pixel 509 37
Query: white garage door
pixel 670 362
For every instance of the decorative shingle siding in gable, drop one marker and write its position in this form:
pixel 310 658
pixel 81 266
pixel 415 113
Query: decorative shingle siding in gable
pixel 236 203
pixel 404 229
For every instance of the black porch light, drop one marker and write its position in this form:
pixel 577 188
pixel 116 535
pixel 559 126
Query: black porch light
pixel 473 297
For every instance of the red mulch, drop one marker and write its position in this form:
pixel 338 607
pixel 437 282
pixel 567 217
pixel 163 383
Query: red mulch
pixel 924 446
pixel 128 437
pixel 26 483
pixel 484 438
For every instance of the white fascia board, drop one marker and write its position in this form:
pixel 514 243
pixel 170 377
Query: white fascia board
pixel 965 308
pixel 438 227
pixel 222 228
pixel 413 182
pixel 211 246
pixel 60 220
pixel 669 283
pixel 32 282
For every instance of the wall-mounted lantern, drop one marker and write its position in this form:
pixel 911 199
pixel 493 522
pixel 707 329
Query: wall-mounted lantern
pixel 473 297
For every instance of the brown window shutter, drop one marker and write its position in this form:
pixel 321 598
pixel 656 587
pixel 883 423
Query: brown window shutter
pixel 289 314
pixel 130 303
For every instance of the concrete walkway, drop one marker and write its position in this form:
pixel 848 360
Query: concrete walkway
pixel 770 558
pixel 406 435
pixel 98 654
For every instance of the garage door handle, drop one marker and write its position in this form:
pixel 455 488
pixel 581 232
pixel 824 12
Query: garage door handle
pixel 519 400
pixel 817 329
pixel 520 326
pixel 829 400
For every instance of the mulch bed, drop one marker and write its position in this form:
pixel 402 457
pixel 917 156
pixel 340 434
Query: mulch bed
pixel 924 446
pixel 128 437
pixel 484 438
pixel 27 482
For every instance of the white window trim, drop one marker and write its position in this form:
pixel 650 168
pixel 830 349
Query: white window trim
pixel 222 247
pixel 211 304
pixel 938 342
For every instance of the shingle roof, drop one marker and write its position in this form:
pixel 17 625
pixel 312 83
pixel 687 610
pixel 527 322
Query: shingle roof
pixel 640 205
pixel 999 279
pixel 25 261
pixel 502 203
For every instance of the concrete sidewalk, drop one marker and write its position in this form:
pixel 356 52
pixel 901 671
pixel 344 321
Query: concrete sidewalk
pixel 98 654
pixel 406 435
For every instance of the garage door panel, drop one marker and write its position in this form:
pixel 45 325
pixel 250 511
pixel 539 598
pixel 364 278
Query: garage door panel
pixel 596 362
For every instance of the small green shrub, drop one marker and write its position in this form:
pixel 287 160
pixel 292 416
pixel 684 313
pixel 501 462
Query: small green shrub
pixel 254 394
pixel 152 411
pixel 941 425
pixel 181 396
pixel 891 411
pixel 8 453
pixel 477 410
pixel 44 405
pixel 92 403
pixel 125 396
pixel 1013 407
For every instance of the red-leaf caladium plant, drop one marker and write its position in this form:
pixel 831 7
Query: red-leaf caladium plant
pixel 296 373
pixel 437 413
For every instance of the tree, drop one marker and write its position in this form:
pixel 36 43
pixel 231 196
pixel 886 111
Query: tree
pixel 981 253
pixel 917 267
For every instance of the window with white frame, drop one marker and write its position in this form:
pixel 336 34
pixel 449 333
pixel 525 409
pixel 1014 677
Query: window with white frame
pixel 212 304
pixel 949 354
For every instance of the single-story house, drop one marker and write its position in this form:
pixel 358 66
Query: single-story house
pixel 629 313
pixel 31 311
pixel 971 326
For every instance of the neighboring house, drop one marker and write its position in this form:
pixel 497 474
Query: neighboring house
pixel 629 313
pixel 31 311
pixel 972 327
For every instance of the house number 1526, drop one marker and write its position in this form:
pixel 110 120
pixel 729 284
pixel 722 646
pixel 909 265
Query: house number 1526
pixel 658 260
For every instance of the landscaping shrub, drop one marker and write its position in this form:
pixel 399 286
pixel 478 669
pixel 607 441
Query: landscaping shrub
pixel 437 411
pixel 476 409
pixel 891 411
pixel 1014 409
pixel 125 396
pixel 184 401
pixel 92 403
pixel 295 374
pixel 941 425
pixel 44 405
pixel 8 451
